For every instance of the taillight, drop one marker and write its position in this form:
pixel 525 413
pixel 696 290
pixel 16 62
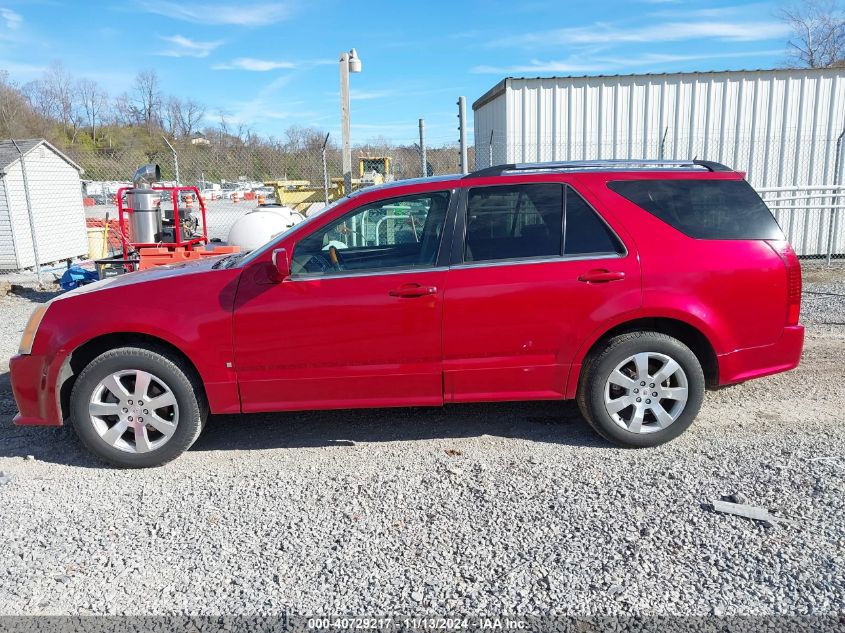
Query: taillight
pixel 793 279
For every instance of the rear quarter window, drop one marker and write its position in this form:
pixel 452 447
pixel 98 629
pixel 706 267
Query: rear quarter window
pixel 704 209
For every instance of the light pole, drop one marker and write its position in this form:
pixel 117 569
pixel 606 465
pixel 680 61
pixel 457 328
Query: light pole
pixel 349 63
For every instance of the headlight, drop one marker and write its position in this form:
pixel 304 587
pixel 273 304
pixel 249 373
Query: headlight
pixel 31 329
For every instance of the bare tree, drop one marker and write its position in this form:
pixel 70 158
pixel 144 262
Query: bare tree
pixel 181 118
pixel 146 99
pixel 61 84
pixel 192 114
pixel 39 99
pixel 299 138
pixel 54 96
pixel 94 102
pixel 171 115
pixel 818 33
pixel 124 112
pixel 17 116
pixel 11 105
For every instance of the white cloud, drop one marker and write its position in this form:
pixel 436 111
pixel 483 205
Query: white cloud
pixel 185 47
pixel 366 95
pixel 749 11
pixel 649 59
pixel 575 65
pixel 265 102
pixel 250 14
pixel 255 65
pixel 22 70
pixel 13 20
pixel 568 66
pixel 405 91
pixel 605 33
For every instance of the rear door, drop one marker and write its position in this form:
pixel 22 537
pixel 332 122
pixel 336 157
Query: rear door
pixel 536 272
pixel 704 240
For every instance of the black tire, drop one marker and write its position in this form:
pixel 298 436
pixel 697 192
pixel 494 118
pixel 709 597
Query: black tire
pixel 597 370
pixel 183 383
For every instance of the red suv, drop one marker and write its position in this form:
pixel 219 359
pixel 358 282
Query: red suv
pixel 630 287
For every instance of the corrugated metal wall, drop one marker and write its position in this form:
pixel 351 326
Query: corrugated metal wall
pixel 779 126
pixel 8 253
pixel 490 118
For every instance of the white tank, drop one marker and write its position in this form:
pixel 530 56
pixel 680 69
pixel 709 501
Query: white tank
pixel 257 227
pixel 315 208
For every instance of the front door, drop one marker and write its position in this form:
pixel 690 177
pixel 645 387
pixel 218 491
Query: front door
pixel 539 271
pixel 358 323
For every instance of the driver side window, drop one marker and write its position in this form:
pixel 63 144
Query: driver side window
pixel 399 233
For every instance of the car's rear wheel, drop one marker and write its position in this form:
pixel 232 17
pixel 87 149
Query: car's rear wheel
pixel 136 407
pixel 641 389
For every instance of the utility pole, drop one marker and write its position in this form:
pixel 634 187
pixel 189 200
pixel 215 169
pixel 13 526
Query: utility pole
pixel 462 118
pixel 325 172
pixel 423 161
pixel 349 62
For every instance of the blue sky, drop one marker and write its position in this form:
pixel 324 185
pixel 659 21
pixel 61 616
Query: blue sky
pixel 270 65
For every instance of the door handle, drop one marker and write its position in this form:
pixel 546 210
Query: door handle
pixel 601 275
pixel 413 290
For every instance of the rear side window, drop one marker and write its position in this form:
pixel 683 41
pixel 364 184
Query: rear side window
pixel 514 222
pixel 704 209
pixel 533 220
pixel 585 233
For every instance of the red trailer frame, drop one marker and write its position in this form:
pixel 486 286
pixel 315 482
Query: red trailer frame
pixel 187 244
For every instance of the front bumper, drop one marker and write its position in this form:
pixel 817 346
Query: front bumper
pixel 755 362
pixel 34 390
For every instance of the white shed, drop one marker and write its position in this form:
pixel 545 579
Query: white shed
pixel 55 201
pixel 779 126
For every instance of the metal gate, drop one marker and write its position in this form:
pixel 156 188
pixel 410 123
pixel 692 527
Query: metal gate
pixel 811 216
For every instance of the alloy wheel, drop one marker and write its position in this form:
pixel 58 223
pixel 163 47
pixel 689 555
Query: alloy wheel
pixel 134 411
pixel 646 392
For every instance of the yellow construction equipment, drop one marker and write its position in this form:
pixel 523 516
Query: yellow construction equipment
pixel 301 194
pixel 374 170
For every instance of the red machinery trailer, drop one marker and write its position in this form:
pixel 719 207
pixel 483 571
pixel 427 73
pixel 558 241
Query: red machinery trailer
pixel 145 221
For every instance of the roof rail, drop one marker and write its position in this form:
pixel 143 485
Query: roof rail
pixel 598 165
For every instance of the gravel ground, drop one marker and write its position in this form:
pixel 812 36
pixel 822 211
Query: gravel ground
pixel 484 509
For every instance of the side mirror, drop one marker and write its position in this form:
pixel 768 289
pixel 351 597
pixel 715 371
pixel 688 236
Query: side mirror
pixel 281 265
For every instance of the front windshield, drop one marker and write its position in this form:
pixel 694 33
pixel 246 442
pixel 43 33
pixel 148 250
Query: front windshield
pixel 248 256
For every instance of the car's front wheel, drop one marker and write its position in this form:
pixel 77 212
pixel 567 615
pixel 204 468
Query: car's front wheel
pixel 136 407
pixel 641 389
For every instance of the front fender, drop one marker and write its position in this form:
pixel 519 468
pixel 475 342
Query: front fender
pixel 193 314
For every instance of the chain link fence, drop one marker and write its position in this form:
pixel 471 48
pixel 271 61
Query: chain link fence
pixel 797 177
pixel 235 177
pixel 812 217
pixel 766 162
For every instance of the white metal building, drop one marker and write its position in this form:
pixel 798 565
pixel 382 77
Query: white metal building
pixel 55 202
pixel 779 126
